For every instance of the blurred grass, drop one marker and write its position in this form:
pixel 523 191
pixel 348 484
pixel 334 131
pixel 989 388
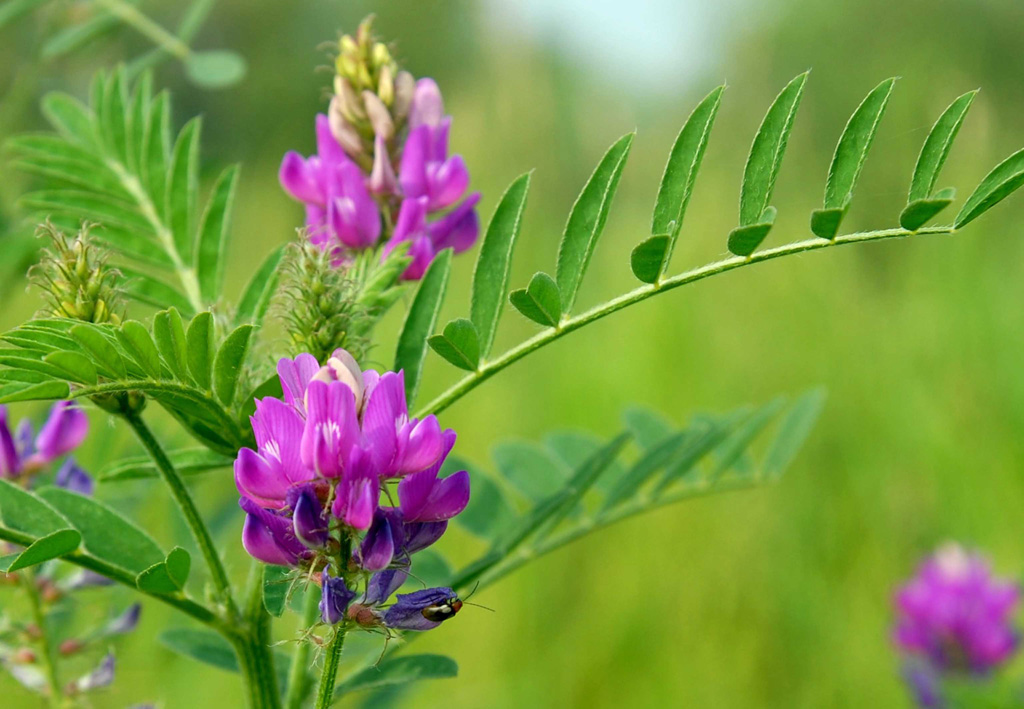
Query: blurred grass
pixel 777 597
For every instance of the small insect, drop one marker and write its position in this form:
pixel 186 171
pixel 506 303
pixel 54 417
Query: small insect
pixel 440 612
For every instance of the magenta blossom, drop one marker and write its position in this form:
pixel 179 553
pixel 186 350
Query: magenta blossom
pixel 340 212
pixel 22 454
pixel 327 450
pixel 956 616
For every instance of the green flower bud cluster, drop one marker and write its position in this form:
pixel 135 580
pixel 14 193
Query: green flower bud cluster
pixel 317 302
pixel 371 95
pixel 75 278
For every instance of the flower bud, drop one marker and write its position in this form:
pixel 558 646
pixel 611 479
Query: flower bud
pixel 71 646
pixel 75 278
pixel 334 599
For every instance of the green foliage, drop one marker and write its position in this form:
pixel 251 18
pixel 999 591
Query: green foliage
pixel 539 301
pixel 55 359
pixel 112 162
pixel 490 278
pixel 190 461
pixel 587 220
pixel 459 343
pixel 420 321
pixel 588 487
pixel 922 204
pixel 680 175
pixel 548 301
pixel 851 152
pixel 398 671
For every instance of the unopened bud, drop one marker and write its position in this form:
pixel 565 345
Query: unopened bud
pixel 380 117
pixel 386 85
pixel 24 656
pixel 405 89
pixel 71 646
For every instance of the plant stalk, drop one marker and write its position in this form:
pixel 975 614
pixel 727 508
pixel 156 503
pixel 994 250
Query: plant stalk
pixel 262 682
pixel 49 665
pixel 298 676
pixel 198 528
pixel 329 675
pixel 489 369
pixel 145 26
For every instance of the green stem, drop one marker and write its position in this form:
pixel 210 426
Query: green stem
pixel 147 27
pixel 489 369
pixel 56 693
pixel 199 530
pixel 298 674
pixel 263 681
pixel 329 675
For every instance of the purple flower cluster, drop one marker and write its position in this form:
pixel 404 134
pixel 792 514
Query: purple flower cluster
pixel 339 439
pixel 23 454
pixel 954 617
pixel 347 209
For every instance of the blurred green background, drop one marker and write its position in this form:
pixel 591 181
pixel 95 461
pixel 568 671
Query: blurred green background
pixel 777 597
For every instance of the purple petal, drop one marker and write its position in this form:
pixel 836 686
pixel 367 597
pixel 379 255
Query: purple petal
pixel 10 461
pixel 420 445
pixel 298 179
pixel 382 176
pixel 308 519
pixel 278 429
pixel 427 107
pixel 72 477
pixel 102 676
pixel 459 229
pixel 386 408
pixel 442 500
pixel 420 535
pixel 383 583
pixel 327 146
pixel 124 623
pixel 63 431
pixel 335 597
pixel 269 537
pixel 295 375
pixel 378 545
pixel 331 428
pixel 448 182
pixel 356 496
pixel 259 481
pixel 412 169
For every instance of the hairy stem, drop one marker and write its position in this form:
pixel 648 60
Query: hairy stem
pixel 298 676
pixel 489 369
pixel 46 658
pixel 145 26
pixel 253 647
pixel 329 675
pixel 198 528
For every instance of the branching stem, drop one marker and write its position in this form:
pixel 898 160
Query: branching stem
pixel 145 26
pixel 489 369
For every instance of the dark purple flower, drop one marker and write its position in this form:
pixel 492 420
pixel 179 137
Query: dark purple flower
pixel 72 477
pixel 924 684
pixel 269 536
pixel 383 583
pixel 102 676
pixel 309 518
pixel 10 458
pixel 334 598
pixel 124 623
pixel 956 615
pixel 422 610
pixel 378 547
pixel 64 430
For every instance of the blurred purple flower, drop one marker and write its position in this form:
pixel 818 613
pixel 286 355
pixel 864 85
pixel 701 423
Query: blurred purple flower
pixel 72 477
pixel 340 211
pixel 102 676
pixel 335 597
pixel 64 430
pixel 124 623
pixel 956 615
pixel 924 684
